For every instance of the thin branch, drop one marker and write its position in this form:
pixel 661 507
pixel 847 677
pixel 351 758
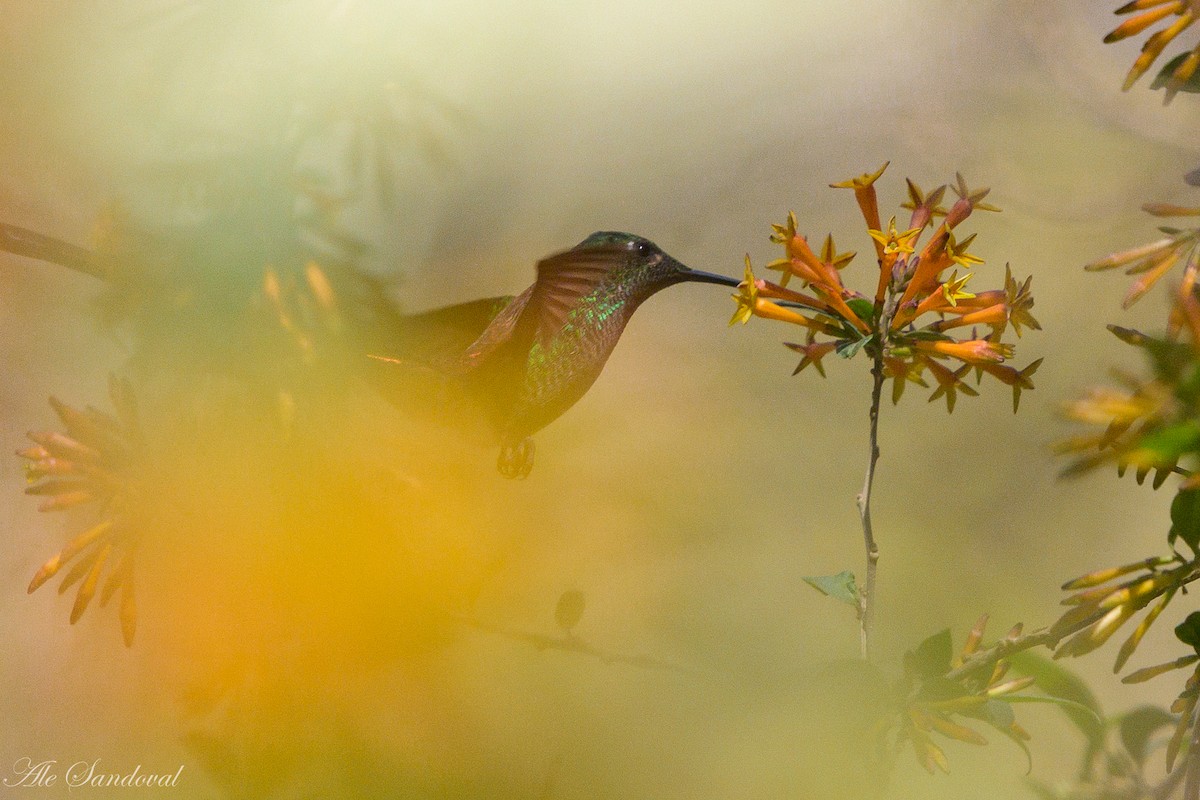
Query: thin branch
pixel 867 599
pixel 1169 784
pixel 29 244
pixel 570 643
pixel 985 660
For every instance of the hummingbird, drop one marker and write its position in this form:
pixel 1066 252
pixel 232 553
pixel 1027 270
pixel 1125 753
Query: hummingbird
pixel 520 360
pixel 542 350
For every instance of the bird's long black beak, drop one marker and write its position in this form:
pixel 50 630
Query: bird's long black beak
pixel 696 276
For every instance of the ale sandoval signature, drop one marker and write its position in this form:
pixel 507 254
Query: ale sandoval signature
pixel 85 774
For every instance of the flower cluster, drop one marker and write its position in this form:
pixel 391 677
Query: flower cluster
pixel 1150 423
pixel 1179 72
pixel 89 465
pixel 1104 600
pixel 912 321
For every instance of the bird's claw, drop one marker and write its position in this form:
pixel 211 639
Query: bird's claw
pixel 516 460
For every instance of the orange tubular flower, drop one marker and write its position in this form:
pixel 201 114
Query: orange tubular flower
pixel 749 304
pixel 795 267
pixel 930 263
pixel 974 351
pixel 768 310
pixel 798 250
pixel 992 315
pixel 868 203
pixel 1135 25
pixel 773 291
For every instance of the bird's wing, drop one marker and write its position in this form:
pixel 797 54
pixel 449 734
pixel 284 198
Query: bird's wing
pixel 562 281
pixel 498 335
pixel 442 335
pixel 541 310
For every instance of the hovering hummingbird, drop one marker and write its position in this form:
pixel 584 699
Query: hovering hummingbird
pixel 521 360
pixel 541 351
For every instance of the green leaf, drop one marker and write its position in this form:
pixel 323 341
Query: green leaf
pixel 1021 744
pixel 1061 702
pixel 849 349
pixel 936 689
pixel 864 308
pixel 1192 84
pixel 1188 631
pixel 1167 445
pixel 932 656
pixel 840 586
pixel 1185 519
pixel 1138 725
pixel 998 713
pixel 1044 791
pixel 928 336
pixel 1057 681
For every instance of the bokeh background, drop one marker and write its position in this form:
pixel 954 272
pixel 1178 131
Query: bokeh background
pixel 303 624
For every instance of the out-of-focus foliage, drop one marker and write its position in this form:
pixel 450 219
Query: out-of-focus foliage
pixel 1150 424
pixel 92 464
pixel 1179 73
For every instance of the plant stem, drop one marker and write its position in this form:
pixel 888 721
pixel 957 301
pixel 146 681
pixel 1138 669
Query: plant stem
pixel 866 604
pixel 984 661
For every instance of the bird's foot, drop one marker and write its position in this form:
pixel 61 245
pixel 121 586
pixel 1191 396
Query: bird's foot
pixel 516 460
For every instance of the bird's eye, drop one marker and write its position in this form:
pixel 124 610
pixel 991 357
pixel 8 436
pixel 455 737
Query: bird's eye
pixel 643 248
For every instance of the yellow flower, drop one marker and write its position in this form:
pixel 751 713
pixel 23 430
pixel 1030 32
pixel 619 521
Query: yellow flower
pixel 832 257
pixel 894 241
pixel 958 251
pixel 1019 299
pixel 952 290
pixel 862 181
pixel 746 297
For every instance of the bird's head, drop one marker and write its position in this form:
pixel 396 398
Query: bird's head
pixel 645 262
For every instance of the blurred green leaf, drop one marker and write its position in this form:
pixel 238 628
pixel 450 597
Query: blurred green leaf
pixel 998 713
pixel 1044 791
pixel 1057 681
pixel 569 609
pixel 1061 702
pixel 1188 631
pixel 936 689
pixel 1185 519
pixel 928 336
pixel 1167 445
pixel 840 586
pixel 932 656
pixel 847 349
pixel 1012 736
pixel 1138 725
